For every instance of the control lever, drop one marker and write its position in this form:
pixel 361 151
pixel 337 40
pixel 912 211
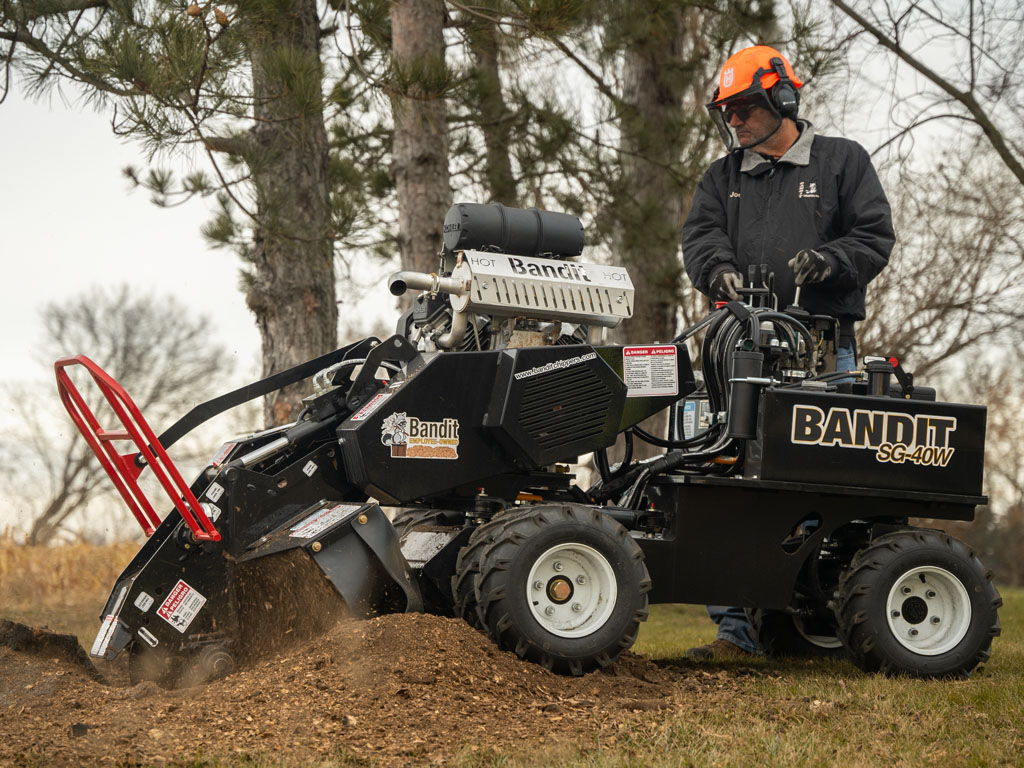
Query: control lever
pixel 905 378
pixel 757 275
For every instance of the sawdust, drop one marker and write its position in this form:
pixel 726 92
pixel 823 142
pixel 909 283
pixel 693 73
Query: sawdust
pixel 396 690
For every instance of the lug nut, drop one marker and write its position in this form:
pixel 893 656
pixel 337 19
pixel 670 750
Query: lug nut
pixel 576 607
pixel 557 565
pixel 936 619
pixel 538 585
pixel 930 593
pixel 913 633
pixel 905 590
pixel 581 579
pixel 549 611
pixel 895 614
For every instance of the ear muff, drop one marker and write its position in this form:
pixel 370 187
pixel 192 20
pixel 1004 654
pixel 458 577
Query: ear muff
pixel 784 95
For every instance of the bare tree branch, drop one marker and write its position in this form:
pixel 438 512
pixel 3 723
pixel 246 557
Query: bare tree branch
pixel 964 98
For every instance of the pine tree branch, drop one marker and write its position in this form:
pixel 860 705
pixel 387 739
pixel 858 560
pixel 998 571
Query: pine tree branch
pixel 228 145
pixel 37 45
pixel 32 12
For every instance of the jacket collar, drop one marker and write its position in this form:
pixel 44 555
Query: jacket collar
pixel 798 154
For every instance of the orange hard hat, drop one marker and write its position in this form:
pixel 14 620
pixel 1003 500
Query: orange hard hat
pixel 741 71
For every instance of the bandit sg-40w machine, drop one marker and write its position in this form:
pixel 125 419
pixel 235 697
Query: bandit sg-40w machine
pixel 781 488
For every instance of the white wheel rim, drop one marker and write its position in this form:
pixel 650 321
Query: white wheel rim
pixel 571 590
pixel 929 610
pixel 821 641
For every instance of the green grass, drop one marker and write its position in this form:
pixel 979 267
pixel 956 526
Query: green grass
pixel 812 712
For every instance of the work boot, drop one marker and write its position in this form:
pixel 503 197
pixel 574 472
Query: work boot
pixel 719 650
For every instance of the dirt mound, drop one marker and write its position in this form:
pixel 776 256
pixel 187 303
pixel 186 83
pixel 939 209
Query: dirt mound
pixel 395 690
pixel 42 642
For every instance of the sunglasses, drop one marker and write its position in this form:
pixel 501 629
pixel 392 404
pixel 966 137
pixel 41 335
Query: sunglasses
pixel 741 110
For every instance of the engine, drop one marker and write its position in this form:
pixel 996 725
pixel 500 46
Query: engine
pixel 511 284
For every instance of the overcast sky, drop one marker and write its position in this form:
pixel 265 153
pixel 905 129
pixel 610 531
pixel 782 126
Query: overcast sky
pixel 69 220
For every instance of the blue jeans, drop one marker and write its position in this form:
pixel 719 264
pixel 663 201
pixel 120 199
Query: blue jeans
pixel 846 360
pixel 734 627
pixel 732 622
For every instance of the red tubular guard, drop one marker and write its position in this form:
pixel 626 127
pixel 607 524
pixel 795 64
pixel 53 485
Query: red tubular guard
pixel 123 468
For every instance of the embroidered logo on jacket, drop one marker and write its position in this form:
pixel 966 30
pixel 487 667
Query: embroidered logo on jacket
pixel 734 194
pixel 808 189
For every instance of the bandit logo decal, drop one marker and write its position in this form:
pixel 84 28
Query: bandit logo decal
pixel 895 437
pixel 413 438
pixel 565 270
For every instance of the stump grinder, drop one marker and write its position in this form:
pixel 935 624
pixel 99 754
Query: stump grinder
pixel 433 471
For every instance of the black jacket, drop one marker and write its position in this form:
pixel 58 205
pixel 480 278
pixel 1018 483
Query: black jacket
pixel 822 194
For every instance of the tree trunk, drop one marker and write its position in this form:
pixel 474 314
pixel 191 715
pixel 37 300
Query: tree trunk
pixel 650 206
pixel 653 192
pixel 292 293
pixel 420 165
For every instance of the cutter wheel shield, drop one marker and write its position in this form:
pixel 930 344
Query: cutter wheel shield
pixel 782 633
pixel 918 603
pixel 565 587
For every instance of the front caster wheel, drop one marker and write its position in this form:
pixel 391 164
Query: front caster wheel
pixel 564 587
pixel 919 603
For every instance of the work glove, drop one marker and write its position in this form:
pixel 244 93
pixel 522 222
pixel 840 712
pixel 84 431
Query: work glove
pixel 810 266
pixel 724 285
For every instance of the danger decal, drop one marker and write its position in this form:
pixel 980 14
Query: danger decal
pixel 651 371
pixel 413 438
pixel 181 606
pixel 897 438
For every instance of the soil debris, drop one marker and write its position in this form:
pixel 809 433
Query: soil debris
pixel 396 690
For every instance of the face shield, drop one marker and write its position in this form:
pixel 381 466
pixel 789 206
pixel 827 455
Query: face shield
pixel 746 119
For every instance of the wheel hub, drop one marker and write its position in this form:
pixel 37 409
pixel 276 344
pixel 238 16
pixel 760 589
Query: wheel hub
pixel 928 610
pixel 559 589
pixel 571 590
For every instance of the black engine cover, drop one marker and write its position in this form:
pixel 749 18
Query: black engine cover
pixel 462 417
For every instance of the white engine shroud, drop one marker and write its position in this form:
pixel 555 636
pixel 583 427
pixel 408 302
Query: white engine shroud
pixel 542 289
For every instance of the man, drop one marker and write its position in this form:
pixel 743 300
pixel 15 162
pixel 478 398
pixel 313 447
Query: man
pixel 809 207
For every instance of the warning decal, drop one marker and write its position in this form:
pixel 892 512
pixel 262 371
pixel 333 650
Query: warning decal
pixel 374 403
pixel 650 371
pixel 181 606
pixel 144 601
pixel 320 521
